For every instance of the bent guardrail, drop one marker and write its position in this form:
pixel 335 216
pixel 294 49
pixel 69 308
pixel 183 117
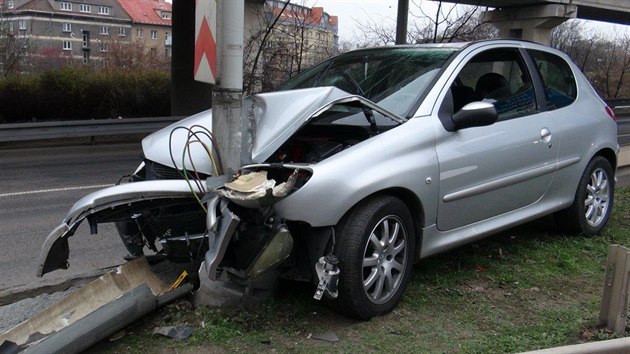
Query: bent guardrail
pixel 78 129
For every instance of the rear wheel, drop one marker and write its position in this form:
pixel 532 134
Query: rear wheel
pixel 593 201
pixel 375 250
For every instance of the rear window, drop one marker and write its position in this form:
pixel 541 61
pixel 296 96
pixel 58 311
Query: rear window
pixel 558 80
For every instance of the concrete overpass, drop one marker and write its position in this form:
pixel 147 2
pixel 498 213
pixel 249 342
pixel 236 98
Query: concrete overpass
pixel 534 19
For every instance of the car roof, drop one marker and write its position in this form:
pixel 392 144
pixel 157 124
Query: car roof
pixel 453 45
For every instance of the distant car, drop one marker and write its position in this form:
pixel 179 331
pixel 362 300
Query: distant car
pixel 368 162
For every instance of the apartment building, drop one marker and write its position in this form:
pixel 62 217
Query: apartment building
pixel 151 23
pixel 302 37
pixel 76 30
pixel 83 31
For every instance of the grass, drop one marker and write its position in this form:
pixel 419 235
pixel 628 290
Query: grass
pixel 524 289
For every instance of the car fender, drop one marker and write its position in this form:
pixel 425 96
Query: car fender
pixel 403 157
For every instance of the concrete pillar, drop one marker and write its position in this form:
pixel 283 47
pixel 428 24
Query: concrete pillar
pixel 532 23
pixel 401 21
pixel 227 124
pixel 187 95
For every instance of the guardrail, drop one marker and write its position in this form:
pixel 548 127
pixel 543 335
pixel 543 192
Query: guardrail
pixel 128 126
pixel 78 129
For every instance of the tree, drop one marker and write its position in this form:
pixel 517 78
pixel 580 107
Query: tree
pixel 289 38
pixel 15 47
pixel 449 23
pixel 605 61
pixel 132 56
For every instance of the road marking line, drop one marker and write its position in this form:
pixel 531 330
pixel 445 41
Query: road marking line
pixel 65 189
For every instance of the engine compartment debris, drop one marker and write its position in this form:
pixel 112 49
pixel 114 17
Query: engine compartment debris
pixel 255 190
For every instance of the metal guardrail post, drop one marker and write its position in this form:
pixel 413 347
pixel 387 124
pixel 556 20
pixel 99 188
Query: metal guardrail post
pixel 614 309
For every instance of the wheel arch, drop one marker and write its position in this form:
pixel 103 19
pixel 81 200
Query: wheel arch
pixel 610 155
pixel 412 202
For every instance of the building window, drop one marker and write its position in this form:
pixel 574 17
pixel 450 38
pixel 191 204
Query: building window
pixel 166 15
pixel 67 27
pixel 86 57
pixel 122 31
pixel 139 33
pixel 153 34
pixel 65 6
pixel 10 4
pixel 86 39
pixel 103 46
pixel 103 10
pixel 105 30
pixel 67 45
pixel 11 27
pixel 85 8
pixel 22 25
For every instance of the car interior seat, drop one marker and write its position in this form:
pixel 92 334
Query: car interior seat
pixel 493 86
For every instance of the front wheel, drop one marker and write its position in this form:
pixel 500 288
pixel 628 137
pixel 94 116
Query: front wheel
pixel 375 248
pixel 593 201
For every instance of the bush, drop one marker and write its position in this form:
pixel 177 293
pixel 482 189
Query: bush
pixel 78 94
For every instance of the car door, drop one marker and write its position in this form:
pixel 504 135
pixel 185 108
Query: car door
pixel 491 170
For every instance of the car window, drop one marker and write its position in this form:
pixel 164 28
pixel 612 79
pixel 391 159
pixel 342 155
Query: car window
pixel 558 80
pixel 393 78
pixel 498 76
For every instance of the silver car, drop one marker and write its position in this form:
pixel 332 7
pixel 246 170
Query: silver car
pixel 366 163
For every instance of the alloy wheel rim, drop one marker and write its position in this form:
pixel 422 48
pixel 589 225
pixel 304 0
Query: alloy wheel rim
pixel 597 198
pixel 384 259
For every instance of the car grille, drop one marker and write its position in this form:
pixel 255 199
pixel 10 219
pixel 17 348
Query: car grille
pixel 157 171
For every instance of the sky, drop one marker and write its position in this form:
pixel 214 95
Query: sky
pixel 352 11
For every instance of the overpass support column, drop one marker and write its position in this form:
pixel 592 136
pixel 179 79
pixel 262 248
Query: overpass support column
pixel 187 95
pixel 533 23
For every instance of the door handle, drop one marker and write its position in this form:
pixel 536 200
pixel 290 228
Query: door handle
pixel 545 136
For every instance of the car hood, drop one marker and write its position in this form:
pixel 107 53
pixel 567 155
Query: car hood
pixel 271 119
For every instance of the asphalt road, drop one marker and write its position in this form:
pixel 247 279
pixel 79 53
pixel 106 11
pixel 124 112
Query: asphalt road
pixel 37 188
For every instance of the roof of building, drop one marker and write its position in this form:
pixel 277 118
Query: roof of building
pixel 304 16
pixel 147 11
pixel 47 6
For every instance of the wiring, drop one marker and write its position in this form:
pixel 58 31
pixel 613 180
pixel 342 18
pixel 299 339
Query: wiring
pixel 215 145
pixel 189 184
pixel 193 176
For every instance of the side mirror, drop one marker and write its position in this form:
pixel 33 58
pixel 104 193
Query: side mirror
pixel 475 114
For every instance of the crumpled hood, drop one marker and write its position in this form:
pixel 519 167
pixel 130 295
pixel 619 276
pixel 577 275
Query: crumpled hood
pixel 271 119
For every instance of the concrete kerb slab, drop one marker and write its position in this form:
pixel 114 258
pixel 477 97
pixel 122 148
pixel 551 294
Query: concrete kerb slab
pixel 623 158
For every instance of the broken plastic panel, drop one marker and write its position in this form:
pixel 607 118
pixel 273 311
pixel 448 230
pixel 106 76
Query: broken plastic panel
pixel 94 312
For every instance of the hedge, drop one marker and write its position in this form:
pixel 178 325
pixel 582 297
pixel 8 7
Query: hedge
pixel 76 94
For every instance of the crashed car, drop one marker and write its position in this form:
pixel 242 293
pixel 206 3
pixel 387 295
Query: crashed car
pixel 366 163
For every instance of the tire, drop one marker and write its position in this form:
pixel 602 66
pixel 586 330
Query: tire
pixel 593 201
pixel 361 239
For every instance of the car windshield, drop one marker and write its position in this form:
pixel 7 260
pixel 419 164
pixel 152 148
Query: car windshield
pixel 393 78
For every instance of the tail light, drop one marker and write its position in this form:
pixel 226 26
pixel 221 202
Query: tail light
pixel 610 112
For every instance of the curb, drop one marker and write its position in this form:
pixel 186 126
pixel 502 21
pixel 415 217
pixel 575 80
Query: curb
pixel 623 157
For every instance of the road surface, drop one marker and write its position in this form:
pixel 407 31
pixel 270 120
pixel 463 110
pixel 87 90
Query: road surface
pixel 37 188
